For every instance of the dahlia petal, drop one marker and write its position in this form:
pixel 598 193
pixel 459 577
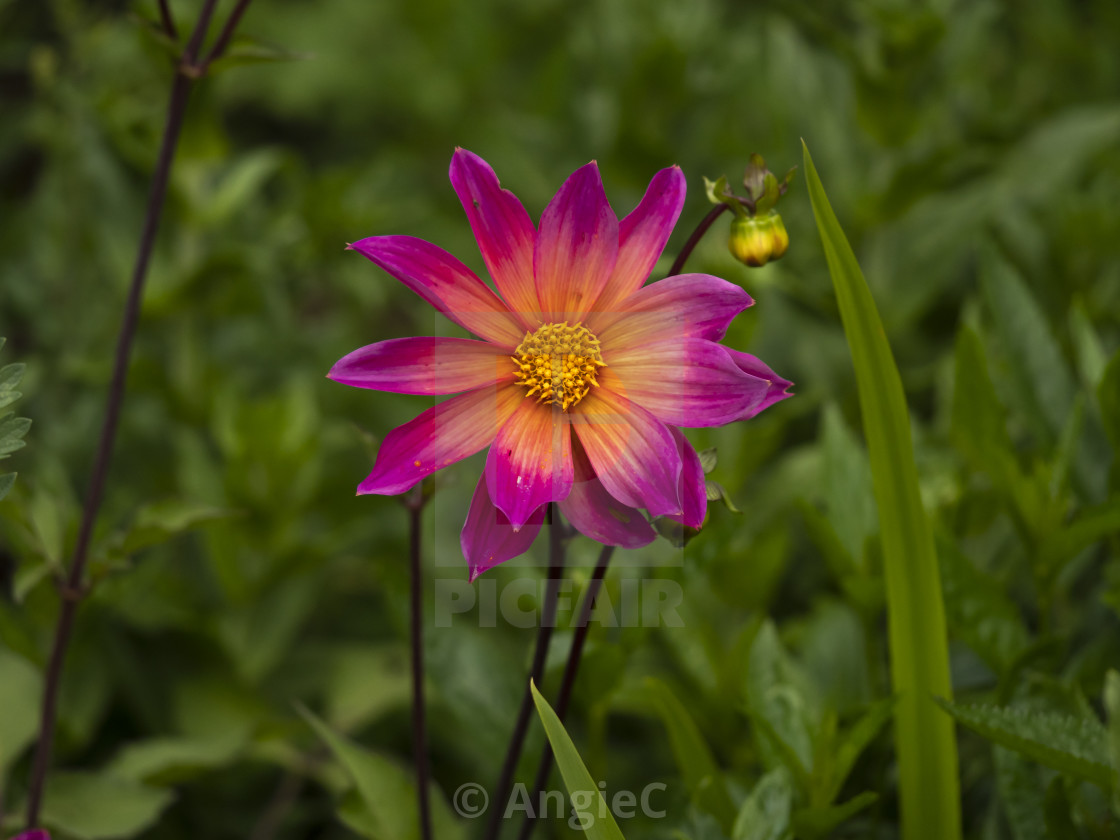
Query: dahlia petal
pixel 442 435
pixel 488 538
pixel 577 247
pixel 682 306
pixel 424 366
pixel 446 284
pixel 597 514
pixel 642 236
pixel 530 462
pixel 505 233
pixel 630 450
pixel 690 382
pixel 693 489
pixel 754 366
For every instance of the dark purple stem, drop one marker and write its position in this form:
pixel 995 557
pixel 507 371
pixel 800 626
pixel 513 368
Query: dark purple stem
pixel 536 673
pixel 73 588
pixel 694 239
pixel 168 21
pixel 415 504
pixel 219 48
pixel 571 668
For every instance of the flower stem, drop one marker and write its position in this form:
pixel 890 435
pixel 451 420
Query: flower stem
pixel 415 501
pixel 544 636
pixel 73 589
pixel 698 234
pixel 694 239
pixel 167 21
pixel 571 668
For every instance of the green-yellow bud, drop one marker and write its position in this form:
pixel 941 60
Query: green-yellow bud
pixel 757 240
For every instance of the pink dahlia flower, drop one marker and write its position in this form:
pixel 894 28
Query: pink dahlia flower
pixel 582 375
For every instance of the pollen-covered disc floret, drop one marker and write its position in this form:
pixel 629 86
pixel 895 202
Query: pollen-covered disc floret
pixel 558 363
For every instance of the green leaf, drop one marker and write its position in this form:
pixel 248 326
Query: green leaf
pixel 1074 745
pixel 1021 795
pixel 1090 526
pixel 387 791
pixel 158 522
pixel 765 814
pixel 929 786
pixel 591 811
pixel 979 611
pixel 366 682
pixel 6 482
pixel 21 689
pixel 979 420
pixel 166 760
pixel 1108 394
pixel 98 806
pixel 698 768
pixel 812 823
pixel 12 430
pixel 708 459
pixel 855 742
pixel 1112 709
pixel 776 701
pixel 248 50
pixel 849 503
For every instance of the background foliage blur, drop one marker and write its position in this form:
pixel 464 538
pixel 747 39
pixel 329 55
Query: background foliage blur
pixel 971 151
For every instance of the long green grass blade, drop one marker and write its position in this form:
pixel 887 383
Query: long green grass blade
pixel 929 788
pixel 588 802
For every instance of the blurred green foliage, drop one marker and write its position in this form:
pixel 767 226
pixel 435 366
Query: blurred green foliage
pixel 970 150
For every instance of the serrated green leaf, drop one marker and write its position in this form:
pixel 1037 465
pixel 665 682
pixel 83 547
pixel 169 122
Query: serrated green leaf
pixel 591 811
pixel 929 785
pixel 766 813
pixel 6 482
pixel 1074 745
pixel 814 823
pixel 698 768
pixel 387 791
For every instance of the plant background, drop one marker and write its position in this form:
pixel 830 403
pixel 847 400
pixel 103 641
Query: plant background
pixel 970 149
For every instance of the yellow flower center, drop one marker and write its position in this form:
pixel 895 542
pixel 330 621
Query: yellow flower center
pixel 558 363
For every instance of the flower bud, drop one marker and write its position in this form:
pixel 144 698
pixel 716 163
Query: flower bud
pixel 757 240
